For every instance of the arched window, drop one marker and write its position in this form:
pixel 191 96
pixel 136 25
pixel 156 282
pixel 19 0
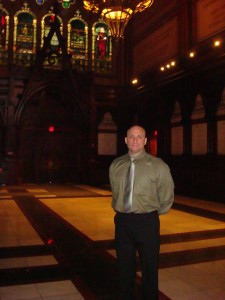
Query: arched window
pixel 78 42
pixel 54 46
pixel 101 48
pixel 24 36
pixel 4 35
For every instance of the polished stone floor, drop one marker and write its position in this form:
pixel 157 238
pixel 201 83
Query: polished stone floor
pixel 56 243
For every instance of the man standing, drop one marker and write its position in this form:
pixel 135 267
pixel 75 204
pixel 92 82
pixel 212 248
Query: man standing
pixel 142 189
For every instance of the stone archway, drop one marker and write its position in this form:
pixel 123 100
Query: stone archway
pixel 51 98
pixel 50 156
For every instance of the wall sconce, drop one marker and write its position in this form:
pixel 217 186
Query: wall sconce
pixel 192 54
pixel 134 81
pixel 217 43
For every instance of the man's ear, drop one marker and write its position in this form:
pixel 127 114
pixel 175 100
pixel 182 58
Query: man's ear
pixel 125 140
pixel 145 141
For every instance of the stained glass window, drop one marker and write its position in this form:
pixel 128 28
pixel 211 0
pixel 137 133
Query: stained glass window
pixel 101 48
pixel 78 42
pixel 4 33
pixel 25 33
pixel 54 51
pixel 24 36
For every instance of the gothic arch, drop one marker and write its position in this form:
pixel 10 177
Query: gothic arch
pixel 101 48
pixel 48 156
pixel 66 102
pixel 25 35
pixel 4 28
pixel 77 42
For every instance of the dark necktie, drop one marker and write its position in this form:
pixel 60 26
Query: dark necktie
pixel 128 192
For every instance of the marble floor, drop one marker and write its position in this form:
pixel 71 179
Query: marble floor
pixel 56 243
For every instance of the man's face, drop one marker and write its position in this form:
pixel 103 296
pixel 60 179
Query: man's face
pixel 135 140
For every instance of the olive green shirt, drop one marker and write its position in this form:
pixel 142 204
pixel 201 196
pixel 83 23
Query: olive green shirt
pixel 153 184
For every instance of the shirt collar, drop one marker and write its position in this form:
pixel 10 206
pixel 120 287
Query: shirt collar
pixel 139 156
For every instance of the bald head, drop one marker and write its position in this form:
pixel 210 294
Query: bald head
pixel 136 140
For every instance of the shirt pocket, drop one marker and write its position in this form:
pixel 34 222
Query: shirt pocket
pixel 146 186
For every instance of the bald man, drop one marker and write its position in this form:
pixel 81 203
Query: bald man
pixel 137 225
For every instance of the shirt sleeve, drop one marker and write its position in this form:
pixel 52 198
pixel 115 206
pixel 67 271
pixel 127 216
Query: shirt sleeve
pixel 165 188
pixel 111 175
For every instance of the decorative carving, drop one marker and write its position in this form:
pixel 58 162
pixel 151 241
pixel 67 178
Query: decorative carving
pixel 221 106
pixel 199 109
pixel 176 116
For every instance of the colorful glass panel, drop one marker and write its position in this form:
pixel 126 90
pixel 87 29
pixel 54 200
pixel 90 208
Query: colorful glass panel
pixel 78 42
pixel 4 35
pixel 25 33
pixel 101 48
pixel 25 25
pixel 77 39
pixel 2 29
pixel 48 24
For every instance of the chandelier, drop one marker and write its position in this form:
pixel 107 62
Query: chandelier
pixel 117 13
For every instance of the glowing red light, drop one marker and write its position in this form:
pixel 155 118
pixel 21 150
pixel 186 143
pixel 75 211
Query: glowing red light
pixel 51 129
pixel 155 132
pixel 50 241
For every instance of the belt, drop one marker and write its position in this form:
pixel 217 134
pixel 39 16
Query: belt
pixel 135 213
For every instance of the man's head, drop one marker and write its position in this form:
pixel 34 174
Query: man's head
pixel 136 140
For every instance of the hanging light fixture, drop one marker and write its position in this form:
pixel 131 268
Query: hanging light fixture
pixel 117 13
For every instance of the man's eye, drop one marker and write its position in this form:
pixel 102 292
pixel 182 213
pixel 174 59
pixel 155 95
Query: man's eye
pixel 137 137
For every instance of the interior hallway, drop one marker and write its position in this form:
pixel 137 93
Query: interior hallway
pixel 56 243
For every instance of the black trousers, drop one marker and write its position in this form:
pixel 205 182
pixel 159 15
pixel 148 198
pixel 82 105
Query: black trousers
pixel 138 232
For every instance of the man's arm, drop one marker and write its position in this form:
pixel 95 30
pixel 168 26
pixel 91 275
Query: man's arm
pixel 165 187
